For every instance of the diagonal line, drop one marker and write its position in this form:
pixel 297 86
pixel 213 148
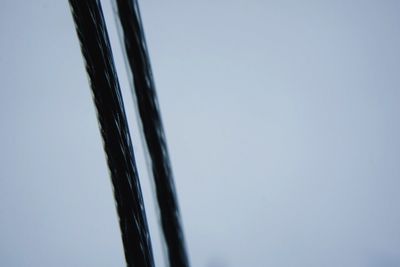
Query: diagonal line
pixel 95 45
pixel 147 103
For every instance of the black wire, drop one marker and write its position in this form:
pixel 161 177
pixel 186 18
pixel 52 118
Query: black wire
pixel 144 88
pixel 139 62
pixel 107 97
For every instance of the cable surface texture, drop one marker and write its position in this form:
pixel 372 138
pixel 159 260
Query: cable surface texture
pixel 146 99
pixel 95 46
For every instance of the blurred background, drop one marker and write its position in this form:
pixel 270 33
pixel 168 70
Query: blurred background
pixel 282 120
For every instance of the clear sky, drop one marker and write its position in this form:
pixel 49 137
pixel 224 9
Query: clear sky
pixel 282 120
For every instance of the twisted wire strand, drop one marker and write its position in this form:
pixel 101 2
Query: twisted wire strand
pixel 96 51
pixel 147 104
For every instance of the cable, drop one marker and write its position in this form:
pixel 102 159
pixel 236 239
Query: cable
pixel 144 89
pixel 95 46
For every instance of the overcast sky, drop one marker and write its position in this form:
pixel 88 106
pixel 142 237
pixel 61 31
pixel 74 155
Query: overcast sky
pixel 282 120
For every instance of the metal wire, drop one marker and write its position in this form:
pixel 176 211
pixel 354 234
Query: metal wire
pixel 147 104
pixel 95 45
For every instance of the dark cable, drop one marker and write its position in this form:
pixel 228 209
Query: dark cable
pixel 95 45
pixel 144 88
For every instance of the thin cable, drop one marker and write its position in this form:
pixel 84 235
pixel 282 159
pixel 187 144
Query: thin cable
pixel 95 46
pixel 144 89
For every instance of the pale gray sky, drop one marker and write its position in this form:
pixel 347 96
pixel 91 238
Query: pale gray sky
pixel 281 119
